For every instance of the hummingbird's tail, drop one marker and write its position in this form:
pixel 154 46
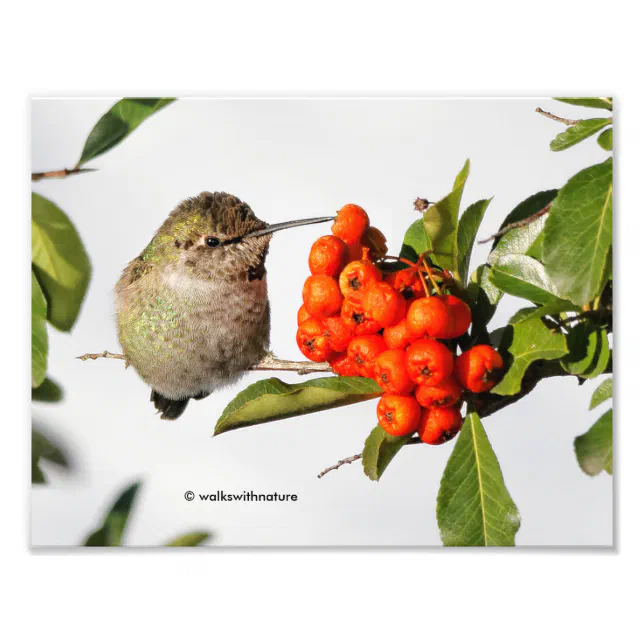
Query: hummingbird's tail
pixel 170 409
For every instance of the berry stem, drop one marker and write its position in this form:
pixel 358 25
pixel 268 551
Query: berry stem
pixel 431 277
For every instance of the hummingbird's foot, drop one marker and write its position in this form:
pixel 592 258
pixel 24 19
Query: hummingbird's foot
pixel 169 409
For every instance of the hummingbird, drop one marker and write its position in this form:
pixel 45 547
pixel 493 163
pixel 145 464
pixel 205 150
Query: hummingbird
pixel 192 309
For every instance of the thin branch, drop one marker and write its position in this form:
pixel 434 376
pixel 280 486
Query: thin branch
pixel 105 354
pixel 268 363
pixel 59 174
pixel 271 363
pixel 559 119
pixel 518 224
pixel 344 461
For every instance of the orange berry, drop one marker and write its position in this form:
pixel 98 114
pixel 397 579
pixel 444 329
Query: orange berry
pixel 429 362
pixel 312 341
pixel 328 256
pixel 376 242
pixel 350 224
pixel 398 336
pixel 439 424
pixel 384 304
pixel 429 316
pixel 460 315
pixel 363 351
pixel 321 296
pixel 357 320
pixel 338 333
pixel 343 366
pixel 479 368
pixel 391 372
pixel 444 394
pixel 357 277
pixel 357 251
pixel 407 282
pixel 302 315
pixel 398 415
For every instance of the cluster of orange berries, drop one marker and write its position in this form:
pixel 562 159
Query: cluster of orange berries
pixel 388 327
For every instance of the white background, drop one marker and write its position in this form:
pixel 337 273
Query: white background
pixel 329 595
pixel 291 159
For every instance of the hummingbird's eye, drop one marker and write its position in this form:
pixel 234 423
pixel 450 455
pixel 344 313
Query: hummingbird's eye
pixel 212 242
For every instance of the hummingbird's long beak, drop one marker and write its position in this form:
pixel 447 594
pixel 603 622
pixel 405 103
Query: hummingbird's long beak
pixel 269 230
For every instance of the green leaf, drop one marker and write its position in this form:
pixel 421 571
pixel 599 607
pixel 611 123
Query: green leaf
pixel 190 539
pixel 272 399
pixel 483 298
pixel 474 506
pixel 605 140
pixel 594 449
pixel 43 448
pixel 59 262
pixel 577 133
pixel 530 206
pixel 578 234
pixel 441 222
pixel 518 241
pixel 601 103
pixel 116 124
pixel 416 241
pixel 537 312
pixel 113 527
pixel 48 391
pixel 602 393
pixel 522 276
pixel 588 351
pixel 466 231
pixel 379 450
pixel 39 339
pixel 528 341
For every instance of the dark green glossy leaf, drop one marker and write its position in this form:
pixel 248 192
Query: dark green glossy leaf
pixel 466 231
pixel 111 532
pixel 441 222
pixel 39 339
pixel 379 450
pixel 527 342
pixel 273 399
pixel 116 124
pixel 578 234
pixel 190 539
pixel 518 241
pixel 59 262
pixel 589 351
pixel 537 312
pixel 605 140
pixel 602 393
pixel 601 103
pixel 522 276
pixel 530 206
pixel 483 298
pixel 577 133
pixel 49 391
pixel 474 506
pixel 416 241
pixel 594 449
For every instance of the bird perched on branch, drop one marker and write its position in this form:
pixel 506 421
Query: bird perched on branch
pixel 192 309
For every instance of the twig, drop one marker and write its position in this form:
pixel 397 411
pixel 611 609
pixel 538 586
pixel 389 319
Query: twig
pixel 268 363
pixel 518 224
pixel 271 363
pixel 59 174
pixel 559 119
pixel 344 461
pixel 105 354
